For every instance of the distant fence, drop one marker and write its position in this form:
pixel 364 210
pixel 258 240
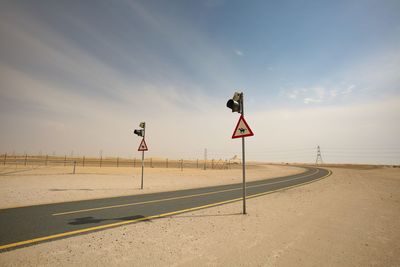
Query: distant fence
pixel 28 160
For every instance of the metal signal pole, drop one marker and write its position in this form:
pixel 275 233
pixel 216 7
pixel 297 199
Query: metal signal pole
pixel 243 161
pixel 144 135
pixel 236 104
pixel 142 147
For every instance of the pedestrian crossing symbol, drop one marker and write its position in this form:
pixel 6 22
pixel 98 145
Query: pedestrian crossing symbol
pixel 242 129
pixel 143 146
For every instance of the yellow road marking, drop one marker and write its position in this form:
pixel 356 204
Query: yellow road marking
pixel 45 238
pixel 175 198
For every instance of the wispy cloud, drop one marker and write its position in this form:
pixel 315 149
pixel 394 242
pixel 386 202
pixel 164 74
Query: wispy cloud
pixel 238 52
pixel 209 60
pixel 309 100
pixel 319 94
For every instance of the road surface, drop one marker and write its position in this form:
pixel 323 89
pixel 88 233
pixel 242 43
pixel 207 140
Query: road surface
pixel 29 225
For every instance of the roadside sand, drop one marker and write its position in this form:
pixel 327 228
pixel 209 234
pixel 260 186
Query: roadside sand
pixel 348 219
pixel 57 184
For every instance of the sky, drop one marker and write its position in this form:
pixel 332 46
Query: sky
pixel 77 77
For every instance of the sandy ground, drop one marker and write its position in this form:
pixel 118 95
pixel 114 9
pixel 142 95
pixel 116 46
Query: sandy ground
pixel 348 219
pixel 57 184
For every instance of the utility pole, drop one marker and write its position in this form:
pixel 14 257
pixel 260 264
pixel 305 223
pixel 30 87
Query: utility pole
pixel 205 158
pixel 319 157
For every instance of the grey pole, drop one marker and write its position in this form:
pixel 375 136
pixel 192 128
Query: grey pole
pixel 141 187
pixel 144 135
pixel 243 162
pixel 244 177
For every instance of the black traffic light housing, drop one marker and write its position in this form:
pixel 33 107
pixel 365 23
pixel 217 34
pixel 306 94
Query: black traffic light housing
pixel 233 105
pixel 139 132
pixel 236 103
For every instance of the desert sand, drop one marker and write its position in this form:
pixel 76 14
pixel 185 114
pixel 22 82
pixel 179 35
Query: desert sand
pixel 350 218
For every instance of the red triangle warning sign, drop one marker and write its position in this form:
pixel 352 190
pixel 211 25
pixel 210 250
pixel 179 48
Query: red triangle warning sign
pixel 143 146
pixel 242 129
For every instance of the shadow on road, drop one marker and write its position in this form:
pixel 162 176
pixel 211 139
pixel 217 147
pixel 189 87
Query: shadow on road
pixel 93 220
pixel 88 220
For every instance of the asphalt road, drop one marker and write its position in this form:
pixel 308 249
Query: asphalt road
pixel 29 225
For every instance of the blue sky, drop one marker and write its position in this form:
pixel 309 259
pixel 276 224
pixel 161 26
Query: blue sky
pixel 80 75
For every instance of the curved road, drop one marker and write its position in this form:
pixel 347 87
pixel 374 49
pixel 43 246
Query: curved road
pixel 28 225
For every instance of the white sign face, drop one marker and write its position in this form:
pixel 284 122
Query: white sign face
pixel 143 146
pixel 242 129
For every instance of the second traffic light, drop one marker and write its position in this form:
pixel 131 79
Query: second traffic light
pixel 139 132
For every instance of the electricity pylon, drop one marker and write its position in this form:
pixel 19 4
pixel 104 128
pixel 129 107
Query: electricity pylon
pixel 319 157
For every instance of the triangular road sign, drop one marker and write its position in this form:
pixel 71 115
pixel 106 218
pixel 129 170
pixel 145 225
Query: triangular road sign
pixel 242 129
pixel 143 146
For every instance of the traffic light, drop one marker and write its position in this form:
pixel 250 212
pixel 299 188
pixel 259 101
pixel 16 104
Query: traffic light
pixel 138 132
pixel 235 104
pixel 142 125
